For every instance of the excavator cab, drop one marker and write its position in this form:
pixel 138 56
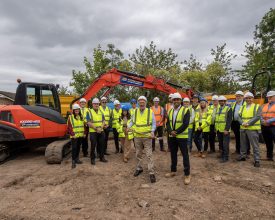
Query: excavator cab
pixel 37 94
pixel 263 82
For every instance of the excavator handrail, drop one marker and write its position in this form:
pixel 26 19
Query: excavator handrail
pixel 114 77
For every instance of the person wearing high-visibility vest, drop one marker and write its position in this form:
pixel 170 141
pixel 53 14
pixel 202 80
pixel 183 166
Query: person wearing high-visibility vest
pixel 249 118
pixel 202 128
pixel 84 111
pixel 143 124
pixel 76 131
pixel 96 123
pixel 107 114
pixel 186 104
pixel 268 124
pixel 168 106
pixel 223 121
pixel 212 134
pixel 160 117
pixel 125 136
pixel 235 125
pixel 177 127
pixel 134 106
pixel 115 115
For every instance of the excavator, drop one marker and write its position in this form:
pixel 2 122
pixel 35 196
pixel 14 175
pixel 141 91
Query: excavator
pixel 35 120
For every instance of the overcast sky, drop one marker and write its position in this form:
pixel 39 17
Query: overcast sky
pixel 43 40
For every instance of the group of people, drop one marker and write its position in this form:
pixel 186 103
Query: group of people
pixel 183 120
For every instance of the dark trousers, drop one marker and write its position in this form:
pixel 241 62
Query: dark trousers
pixel 97 140
pixel 235 126
pixel 85 145
pixel 269 137
pixel 224 144
pixel 159 132
pixel 76 142
pixel 212 138
pixel 116 138
pixel 199 135
pixel 106 132
pixel 175 144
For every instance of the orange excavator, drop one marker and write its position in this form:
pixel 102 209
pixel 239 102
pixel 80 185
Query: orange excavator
pixel 35 120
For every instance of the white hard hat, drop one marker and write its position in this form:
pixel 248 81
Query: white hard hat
pixel 222 98
pixel 170 95
pixel 215 98
pixel 248 94
pixel 116 102
pixel 270 93
pixel 103 98
pixel 83 100
pixel 76 106
pixel 186 99
pixel 239 93
pixel 142 98
pixel 176 96
pixel 95 101
pixel 156 99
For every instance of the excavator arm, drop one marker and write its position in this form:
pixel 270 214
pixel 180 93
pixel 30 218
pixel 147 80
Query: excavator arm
pixel 116 77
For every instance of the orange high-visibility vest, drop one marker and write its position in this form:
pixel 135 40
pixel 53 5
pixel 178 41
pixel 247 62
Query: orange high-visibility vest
pixel 268 113
pixel 158 115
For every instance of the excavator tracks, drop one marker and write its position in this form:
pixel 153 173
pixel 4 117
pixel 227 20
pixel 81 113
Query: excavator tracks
pixel 57 150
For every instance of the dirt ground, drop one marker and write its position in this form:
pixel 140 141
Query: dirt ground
pixel 31 189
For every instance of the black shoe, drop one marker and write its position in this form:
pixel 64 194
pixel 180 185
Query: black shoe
pixel 73 165
pixel 137 172
pixel 121 151
pixel 93 161
pixel 117 151
pixel 162 150
pixel 270 159
pixel 103 160
pixel 152 178
pixel 256 164
pixel 241 159
pixel 223 160
pixel 78 161
pixel 106 153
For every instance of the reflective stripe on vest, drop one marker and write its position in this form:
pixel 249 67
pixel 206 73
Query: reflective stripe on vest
pixel 132 111
pixel 143 123
pixel 201 119
pixel 158 115
pixel 78 126
pixel 96 119
pixel 268 113
pixel 179 121
pixel 220 121
pixel 116 115
pixel 247 114
pixel 106 112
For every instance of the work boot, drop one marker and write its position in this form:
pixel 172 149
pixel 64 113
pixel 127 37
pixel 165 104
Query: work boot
pixel 73 164
pixel 103 160
pixel 199 154
pixel 241 159
pixel 93 161
pixel 137 172
pixel 187 179
pixel 203 155
pixel 152 178
pixel 78 161
pixel 171 174
pixel 256 164
pixel 125 160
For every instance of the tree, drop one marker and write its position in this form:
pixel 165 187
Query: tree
pixel 260 54
pixel 103 60
pixel 64 90
pixel 192 64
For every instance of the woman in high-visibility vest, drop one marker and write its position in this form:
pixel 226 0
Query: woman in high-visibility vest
pixel 76 131
pixel 125 136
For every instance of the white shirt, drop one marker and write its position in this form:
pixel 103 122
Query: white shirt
pixel 175 114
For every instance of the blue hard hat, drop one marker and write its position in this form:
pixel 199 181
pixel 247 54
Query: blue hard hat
pixel 133 101
pixel 125 108
pixel 203 99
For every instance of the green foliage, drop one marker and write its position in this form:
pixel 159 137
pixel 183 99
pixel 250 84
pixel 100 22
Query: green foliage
pixel 192 64
pixel 64 90
pixel 260 54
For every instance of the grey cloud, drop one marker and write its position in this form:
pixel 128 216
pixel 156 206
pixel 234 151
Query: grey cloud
pixel 45 40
